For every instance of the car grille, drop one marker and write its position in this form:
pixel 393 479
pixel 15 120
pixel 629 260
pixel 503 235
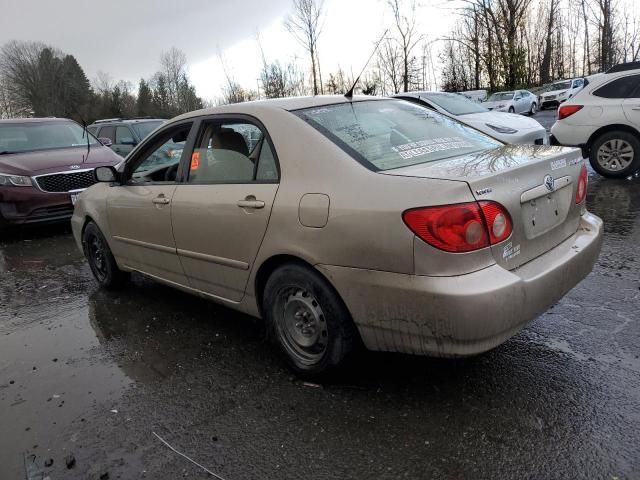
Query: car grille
pixel 65 182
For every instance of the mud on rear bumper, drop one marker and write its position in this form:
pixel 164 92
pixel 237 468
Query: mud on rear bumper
pixel 466 314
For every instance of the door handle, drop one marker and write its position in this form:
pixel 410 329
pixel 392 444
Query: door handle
pixel 250 203
pixel 161 200
pixel 636 108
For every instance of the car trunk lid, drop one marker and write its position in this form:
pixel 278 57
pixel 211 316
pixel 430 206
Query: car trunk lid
pixel 536 184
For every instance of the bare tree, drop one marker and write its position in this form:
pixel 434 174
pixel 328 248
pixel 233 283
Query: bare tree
pixel 390 66
pixel 405 21
pixel 304 24
pixel 173 65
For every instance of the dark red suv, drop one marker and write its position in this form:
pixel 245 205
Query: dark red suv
pixel 44 164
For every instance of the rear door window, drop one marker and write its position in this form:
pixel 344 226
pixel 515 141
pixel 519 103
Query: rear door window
pixel 625 87
pixel 232 151
pixel 124 136
pixel 108 132
pixel 387 134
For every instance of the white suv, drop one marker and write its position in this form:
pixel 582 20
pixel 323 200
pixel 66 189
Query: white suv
pixel 560 92
pixel 604 120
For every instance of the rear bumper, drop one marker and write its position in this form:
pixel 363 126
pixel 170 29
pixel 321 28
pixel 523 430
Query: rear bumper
pixel 466 314
pixel 26 205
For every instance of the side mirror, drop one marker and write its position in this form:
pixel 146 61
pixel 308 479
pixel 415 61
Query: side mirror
pixel 105 141
pixel 127 141
pixel 106 174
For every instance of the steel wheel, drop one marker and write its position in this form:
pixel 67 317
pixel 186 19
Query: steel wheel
pixel 103 265
pixel 615 155
pixel 302 326
pixel 97 257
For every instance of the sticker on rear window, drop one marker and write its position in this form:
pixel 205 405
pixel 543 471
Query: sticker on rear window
pixel 422 147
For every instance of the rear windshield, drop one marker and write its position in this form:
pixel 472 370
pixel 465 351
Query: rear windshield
pixel 501 96
pixel 455 104
pixel 386 134
pixel 30 136
pixel 145 128
pixel 561 86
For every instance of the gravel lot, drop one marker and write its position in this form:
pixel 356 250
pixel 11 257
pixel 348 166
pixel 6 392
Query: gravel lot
pixel 93 374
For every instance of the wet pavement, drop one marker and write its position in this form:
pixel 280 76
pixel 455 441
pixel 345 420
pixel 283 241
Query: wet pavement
pixel 93 374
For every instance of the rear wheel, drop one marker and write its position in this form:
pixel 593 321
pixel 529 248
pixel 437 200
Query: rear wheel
pixel 307 320
pixel 101 261
pixel 615 154
pixel 533 109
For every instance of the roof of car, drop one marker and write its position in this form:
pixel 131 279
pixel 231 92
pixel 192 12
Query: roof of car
pixel 127 120
pixel 34 120
pixel 289 104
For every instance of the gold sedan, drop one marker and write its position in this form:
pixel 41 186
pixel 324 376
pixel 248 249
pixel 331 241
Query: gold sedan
pixel 338 219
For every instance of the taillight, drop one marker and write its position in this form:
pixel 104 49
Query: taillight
pixel 462 227
pixel 567 110
pixel 581 189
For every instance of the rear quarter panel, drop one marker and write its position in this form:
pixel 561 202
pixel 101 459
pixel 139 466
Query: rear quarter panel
pixel 365 227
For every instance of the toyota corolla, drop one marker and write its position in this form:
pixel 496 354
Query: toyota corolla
pixel 338 220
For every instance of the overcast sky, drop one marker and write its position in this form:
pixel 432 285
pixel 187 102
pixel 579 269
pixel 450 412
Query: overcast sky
pixel 125 37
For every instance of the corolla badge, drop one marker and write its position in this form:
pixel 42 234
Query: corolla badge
pixel 549 183
pixel 74 167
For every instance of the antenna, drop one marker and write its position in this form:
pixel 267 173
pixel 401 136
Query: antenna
pixel 86 133
pixel 349 94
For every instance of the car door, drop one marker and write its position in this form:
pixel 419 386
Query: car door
pixel 139 209
pixel 631 103
pixel 124 141
pixel 221 211
pixel 522 103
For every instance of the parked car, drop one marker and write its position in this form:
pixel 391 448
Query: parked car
pixel 365 217
pixel 44 164
pixel 506 127
pixel 517 101
pixel 604 120
pixel 560 92
pixel 123 134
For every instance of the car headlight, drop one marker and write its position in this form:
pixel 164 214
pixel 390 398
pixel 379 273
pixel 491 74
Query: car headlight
pixel 501 129
pixel 14 181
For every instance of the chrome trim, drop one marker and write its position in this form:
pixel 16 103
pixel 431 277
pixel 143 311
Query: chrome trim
pixel 64 172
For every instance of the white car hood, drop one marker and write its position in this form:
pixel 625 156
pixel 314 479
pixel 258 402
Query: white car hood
pixel 499 119
pixel 554 92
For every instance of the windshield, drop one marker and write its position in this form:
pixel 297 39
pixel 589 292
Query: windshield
pixel 143 129
pixel 388 134
pixel 561 85
pixel 30 136
pixel 455 104
pixel 501 96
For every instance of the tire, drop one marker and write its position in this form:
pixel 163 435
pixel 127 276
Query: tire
pixel 615 154
pixel 533 109
pixel 101 261
pixel 307 320
pixel 512 110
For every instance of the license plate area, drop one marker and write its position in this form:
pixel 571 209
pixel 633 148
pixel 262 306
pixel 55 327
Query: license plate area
pixel 544 213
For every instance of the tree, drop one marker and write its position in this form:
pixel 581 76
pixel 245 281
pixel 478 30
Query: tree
pixel 144 102
pixel 304 25
pixel 408 38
